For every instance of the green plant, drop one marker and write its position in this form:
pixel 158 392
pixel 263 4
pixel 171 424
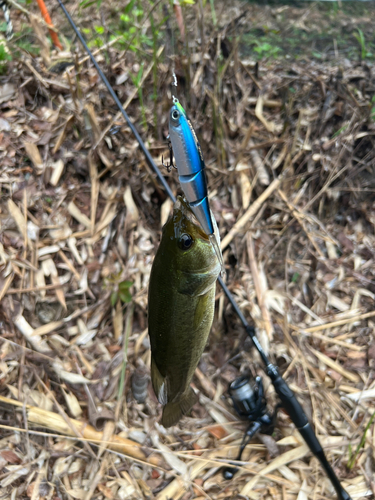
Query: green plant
pixel 128 329
pixel 155 33
pixel 360 37
pixel 353 456
pixel 213 13
pixel 87 3
pixel 129 33
pixel 97 41
pixel 265 49
pixel 137 79
pixel 295 277
pixel 372 112
pixel 5 57
pixel 122 293
pixel 119 289
pixel 342 129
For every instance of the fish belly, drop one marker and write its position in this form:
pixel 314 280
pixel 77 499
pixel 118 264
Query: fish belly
pixel 179 326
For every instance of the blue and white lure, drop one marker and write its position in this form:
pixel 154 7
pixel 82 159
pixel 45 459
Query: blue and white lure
pixel 191 171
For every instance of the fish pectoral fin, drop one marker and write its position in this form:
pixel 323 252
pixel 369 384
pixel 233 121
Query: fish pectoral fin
pixel 172 412
pixel 159 383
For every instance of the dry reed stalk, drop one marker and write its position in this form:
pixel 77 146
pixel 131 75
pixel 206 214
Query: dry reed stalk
pixel 299 218
pixel 339 322
pixel 250 212
pixel 177 487
pixel 258 288
pixel 56 423
pixel 285 458
pixel 335 366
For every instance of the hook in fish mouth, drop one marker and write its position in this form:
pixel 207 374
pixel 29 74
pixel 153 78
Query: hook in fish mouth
pixel 183 217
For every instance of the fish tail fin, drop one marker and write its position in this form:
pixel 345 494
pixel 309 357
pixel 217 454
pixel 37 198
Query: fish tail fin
pixel 172 412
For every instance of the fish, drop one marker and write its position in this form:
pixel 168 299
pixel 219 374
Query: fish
pixel 181 304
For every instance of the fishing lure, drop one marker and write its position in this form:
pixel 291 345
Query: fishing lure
pixel 191 170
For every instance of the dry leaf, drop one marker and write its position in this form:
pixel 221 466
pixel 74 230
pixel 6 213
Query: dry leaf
pixel 34 155
pixel 132 214
pixel 246 190
pixel 57 170
pixel 7 91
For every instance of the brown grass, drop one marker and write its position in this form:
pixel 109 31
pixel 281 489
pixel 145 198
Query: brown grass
pixel 289 148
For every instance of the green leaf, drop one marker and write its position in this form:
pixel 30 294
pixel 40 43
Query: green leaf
pixel 99 29
pixel 88 3
pixel 129 7
pixel 114 296
pixel 140 73
pixel 125 18
pixel 125 285
pixel 125 296
pixel 295 277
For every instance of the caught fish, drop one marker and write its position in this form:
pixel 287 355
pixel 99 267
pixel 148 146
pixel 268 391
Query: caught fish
pixel 181 302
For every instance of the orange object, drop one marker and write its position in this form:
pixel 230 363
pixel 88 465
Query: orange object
pixel 47 18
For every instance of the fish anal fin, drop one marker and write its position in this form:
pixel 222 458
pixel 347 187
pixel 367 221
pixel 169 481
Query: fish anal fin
pixel 159 384
pixel 173 412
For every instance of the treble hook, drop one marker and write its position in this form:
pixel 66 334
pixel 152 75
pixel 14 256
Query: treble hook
pixel 171 162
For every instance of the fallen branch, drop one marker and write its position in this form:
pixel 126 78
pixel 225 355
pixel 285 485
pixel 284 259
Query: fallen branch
pixel 250 212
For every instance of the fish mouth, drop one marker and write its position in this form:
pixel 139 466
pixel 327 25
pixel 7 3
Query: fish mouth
pixel 182 205
pixel 210 270
pixel 182 210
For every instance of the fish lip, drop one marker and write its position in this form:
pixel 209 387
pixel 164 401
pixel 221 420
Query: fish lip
pixel 204 270
pixel 182 205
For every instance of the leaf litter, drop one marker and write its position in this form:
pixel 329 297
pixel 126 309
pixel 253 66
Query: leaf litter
pixel 289 153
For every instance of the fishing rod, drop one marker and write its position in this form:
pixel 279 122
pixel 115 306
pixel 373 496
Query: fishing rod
pixel 288 400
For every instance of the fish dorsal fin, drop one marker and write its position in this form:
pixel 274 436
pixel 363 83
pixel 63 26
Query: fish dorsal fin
pixel 159 383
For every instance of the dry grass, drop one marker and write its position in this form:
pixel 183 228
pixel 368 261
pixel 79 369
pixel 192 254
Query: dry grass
pixel 289 149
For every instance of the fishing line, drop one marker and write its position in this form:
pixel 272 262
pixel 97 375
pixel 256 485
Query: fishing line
pixel 174 77
pixel 287 397
pixel 147 154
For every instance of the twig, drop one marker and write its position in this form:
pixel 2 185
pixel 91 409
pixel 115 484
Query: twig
pixel 258 288
pixel 250 212
pixel 128 100
pixel 338 323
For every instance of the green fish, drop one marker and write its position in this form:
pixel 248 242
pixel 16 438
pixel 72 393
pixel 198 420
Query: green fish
pixel 181 303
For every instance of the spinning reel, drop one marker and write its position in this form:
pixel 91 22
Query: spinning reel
pixel 248 399
pixel 249 402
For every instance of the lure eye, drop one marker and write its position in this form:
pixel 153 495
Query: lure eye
pixel 175 115
pixel 185 241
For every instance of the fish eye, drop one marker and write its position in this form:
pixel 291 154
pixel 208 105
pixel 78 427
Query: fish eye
pixel 175 115
pixel 185 242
